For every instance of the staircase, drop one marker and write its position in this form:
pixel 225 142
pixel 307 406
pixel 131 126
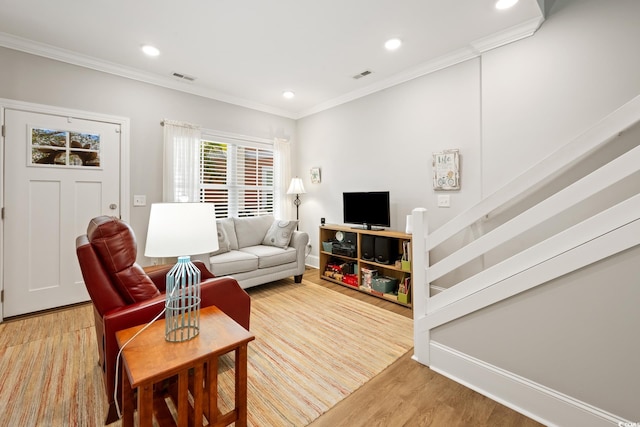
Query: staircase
pixel 578 206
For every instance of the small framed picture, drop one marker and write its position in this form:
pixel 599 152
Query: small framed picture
pixel 446 170
pixel 315 175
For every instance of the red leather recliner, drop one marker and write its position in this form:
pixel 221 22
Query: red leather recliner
pixel 125 295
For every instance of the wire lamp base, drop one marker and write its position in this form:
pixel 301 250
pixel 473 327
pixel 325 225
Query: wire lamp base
pixel 182 318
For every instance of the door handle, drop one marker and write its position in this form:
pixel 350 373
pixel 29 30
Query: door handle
pixel 113 206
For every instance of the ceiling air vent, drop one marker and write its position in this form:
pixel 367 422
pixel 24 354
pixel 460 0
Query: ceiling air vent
pixel 362 74
pixel 183 77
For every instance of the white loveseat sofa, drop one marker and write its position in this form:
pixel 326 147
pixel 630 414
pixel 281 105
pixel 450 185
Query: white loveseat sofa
pixel 257 250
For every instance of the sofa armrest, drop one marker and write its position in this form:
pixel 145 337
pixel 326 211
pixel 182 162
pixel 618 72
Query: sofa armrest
pixel 299 240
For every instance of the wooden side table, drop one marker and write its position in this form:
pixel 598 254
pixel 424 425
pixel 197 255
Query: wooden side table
pixel 150 359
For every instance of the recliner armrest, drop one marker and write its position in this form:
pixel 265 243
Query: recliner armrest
pixel 158 273
pixel 223 292
pixel 226 294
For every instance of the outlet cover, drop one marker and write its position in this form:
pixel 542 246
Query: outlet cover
pixel 139 200
pixel 444 201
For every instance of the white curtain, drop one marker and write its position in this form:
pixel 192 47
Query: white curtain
pixel 181 170
pixel 282 206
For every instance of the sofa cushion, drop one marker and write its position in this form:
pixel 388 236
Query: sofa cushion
pixel 233 262
pixel 223 241
pixel 269 256
pixel 251 230
pixel 230 230
pixel 279 234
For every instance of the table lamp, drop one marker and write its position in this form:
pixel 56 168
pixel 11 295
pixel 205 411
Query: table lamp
pixel 181 230
pixel 296 187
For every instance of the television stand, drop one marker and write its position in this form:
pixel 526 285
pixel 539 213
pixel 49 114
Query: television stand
pixel 351 269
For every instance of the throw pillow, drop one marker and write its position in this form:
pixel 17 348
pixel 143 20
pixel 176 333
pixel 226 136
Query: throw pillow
pixel 230 229
pixel 224 245
pixel 279 234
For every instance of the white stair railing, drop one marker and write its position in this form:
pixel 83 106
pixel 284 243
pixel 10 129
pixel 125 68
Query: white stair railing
pixel 603 234
pixel 543 172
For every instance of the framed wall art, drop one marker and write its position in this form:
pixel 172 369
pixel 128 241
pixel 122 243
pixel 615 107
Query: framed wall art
pixel 446 170
pixel 315 175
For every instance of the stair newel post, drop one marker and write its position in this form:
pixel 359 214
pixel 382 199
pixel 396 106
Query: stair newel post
pixel 420 285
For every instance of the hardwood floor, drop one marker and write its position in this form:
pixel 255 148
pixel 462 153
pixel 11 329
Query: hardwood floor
pixel 410 394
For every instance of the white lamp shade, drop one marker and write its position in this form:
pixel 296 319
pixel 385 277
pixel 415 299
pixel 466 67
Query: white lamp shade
pixel 180 229
pixel 296 186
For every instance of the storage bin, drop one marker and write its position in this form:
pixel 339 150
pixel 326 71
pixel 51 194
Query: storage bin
pixel 404 298
pixel 327 246
pixel 384 284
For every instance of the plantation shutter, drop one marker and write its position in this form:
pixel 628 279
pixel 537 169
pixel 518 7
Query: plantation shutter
pixel 237 178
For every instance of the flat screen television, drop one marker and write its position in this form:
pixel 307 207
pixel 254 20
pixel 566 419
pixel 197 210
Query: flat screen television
pixel 367 209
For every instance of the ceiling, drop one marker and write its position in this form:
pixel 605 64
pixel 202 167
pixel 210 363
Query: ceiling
pixel 248 52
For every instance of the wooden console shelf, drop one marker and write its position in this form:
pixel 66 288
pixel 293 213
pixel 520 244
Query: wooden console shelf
pixel 344 266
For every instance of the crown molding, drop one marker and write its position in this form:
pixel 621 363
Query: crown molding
pixel 508 35
pixel 74 58
pixel 475 49
pixel 402 77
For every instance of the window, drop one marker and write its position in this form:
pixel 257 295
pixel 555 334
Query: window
pixel 237 178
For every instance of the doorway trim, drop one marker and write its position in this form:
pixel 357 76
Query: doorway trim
pixel 125 176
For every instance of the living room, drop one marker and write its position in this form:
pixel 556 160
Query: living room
pixel 504 109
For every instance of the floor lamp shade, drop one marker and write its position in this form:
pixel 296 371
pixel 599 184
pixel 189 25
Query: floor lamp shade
pixel 296 186
pixel 181 230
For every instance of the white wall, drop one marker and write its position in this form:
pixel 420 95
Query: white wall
pixel 542 91
pixel 385 142
pixel 39 80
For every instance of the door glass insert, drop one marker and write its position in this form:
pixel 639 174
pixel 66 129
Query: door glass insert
pixel 53 147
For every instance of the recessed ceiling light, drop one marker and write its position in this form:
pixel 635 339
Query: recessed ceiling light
pixel 393 44
pixel 288 94
pixel 150 50
pixel 505 4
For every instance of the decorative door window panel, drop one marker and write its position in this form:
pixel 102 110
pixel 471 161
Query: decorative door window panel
pixel 54 147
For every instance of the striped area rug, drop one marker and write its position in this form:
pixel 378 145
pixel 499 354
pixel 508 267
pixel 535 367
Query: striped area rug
pixel 313 347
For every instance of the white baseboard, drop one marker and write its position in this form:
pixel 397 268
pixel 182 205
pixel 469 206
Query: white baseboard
pixel 536 401
pixel 313 261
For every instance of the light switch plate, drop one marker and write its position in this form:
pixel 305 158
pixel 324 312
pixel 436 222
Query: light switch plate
pixel 444 201
pixel 139 200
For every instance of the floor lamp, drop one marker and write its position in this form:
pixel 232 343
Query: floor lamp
pixel 182 230
pixel 296 187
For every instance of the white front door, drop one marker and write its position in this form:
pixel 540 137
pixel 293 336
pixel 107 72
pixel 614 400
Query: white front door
pixel 59 172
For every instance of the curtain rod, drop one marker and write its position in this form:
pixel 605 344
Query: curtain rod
pixel 179 123
pixel 222 134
